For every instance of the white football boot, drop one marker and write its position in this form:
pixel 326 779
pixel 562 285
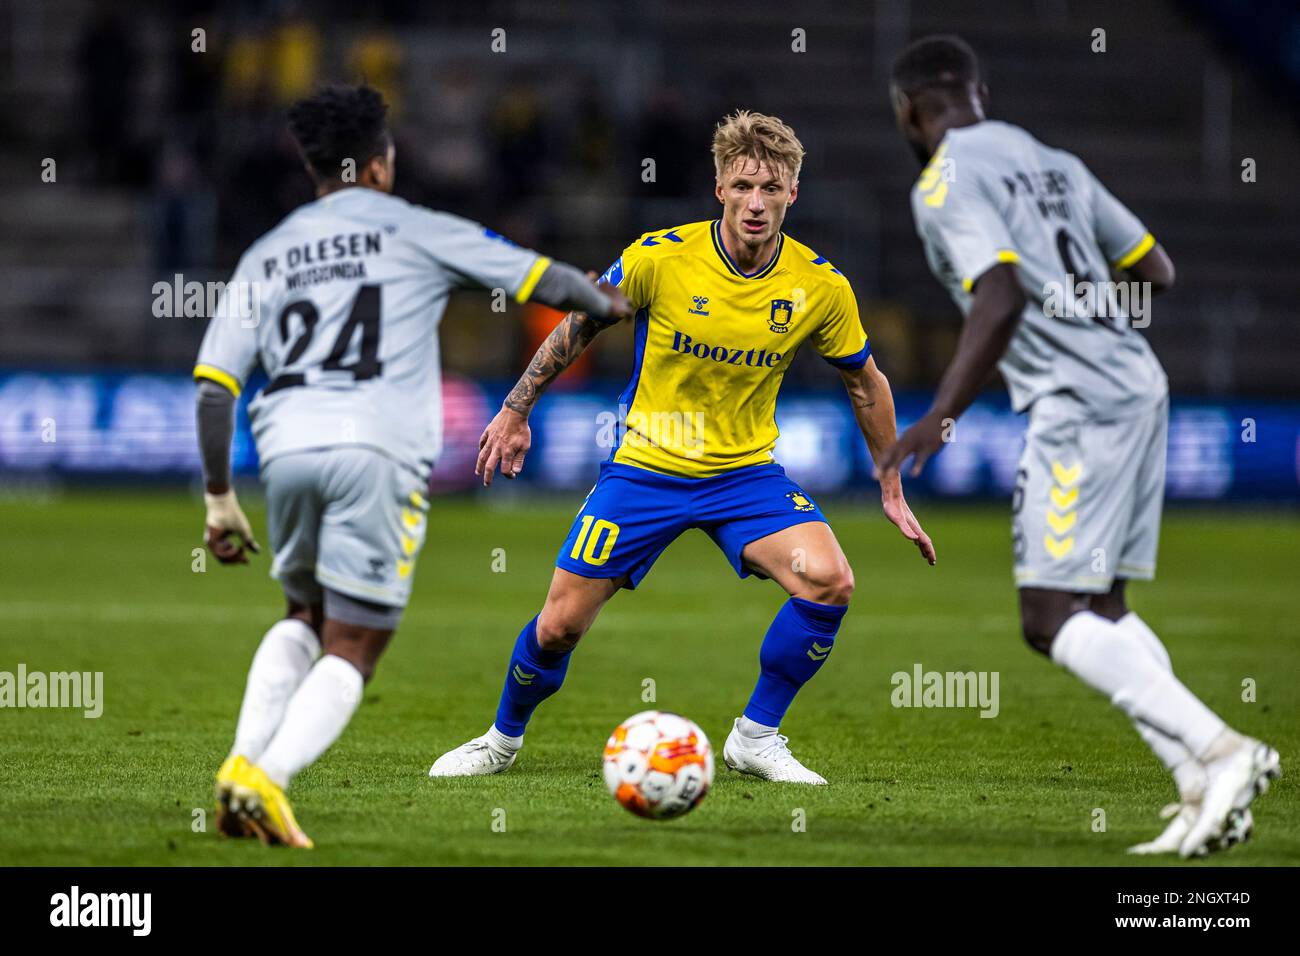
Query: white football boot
pixel 1234 780
pixel 768 758
pixel 475 758
pixel 1238 829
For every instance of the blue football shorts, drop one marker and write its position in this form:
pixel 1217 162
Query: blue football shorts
pixel 632 515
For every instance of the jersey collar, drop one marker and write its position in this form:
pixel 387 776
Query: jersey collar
pixel 715 230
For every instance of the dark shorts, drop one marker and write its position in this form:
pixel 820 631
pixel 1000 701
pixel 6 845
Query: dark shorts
pixel 632 515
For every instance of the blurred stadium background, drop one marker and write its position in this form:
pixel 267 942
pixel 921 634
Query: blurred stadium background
pixel 170 161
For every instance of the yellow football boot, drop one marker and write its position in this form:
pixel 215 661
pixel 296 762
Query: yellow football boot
pixel 264 809
pixel 228 822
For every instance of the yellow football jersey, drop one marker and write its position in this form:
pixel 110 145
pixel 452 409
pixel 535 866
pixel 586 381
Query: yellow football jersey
pixel 712 345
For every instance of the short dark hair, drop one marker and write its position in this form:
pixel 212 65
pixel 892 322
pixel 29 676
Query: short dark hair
pixel 935 62
pixel 337 123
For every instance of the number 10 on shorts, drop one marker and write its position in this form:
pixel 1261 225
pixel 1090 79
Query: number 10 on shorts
pixel 593 533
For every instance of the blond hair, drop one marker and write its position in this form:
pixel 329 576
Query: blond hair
pixel 744 135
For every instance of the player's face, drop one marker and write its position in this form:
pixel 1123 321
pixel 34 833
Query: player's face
pixel 754 199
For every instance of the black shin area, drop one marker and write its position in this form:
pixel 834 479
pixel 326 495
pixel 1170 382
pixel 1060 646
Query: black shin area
pixel 1042 612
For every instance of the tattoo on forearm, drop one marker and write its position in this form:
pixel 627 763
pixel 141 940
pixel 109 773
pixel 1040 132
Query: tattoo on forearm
pixel 560 350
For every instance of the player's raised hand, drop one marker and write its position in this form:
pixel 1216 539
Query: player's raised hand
pixel 897 511
pixel 504 443
pixel 920 442
pixel 227 531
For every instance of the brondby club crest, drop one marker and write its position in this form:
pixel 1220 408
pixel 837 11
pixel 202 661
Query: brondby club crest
pixel 782 313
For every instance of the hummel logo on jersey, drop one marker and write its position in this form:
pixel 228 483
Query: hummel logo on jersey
pixel 782 313
pixel 819 653
pixel 700 302
pixel 521 676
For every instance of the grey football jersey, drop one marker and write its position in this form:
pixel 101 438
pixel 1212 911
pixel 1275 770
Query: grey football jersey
pixel 340 303
pixel 993 193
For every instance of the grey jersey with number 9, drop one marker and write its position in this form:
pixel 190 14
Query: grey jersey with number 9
pixel 340 303
pixel 993 193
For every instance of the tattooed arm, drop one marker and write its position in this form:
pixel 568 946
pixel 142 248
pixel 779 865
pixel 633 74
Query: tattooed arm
pixel 507 438
pixel 873 407
pixel 561 349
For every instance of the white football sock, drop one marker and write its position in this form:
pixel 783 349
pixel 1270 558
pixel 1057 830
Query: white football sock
pixel 1170 751
pixel 282 660
pixel 1110 659
pixel 503 741
pixel 316 716
pixel 753 730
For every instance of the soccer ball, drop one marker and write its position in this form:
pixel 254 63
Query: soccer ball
pixel 658 765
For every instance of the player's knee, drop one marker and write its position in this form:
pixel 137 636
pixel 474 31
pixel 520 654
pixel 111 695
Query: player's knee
pixel 1041 615
pixel 1110 605
pixel 359 646
pixel 833 586
pixel 1036 635
pixel 558 631
pixel 362 656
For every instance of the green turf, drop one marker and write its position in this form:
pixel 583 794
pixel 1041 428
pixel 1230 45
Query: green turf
pixel 104 582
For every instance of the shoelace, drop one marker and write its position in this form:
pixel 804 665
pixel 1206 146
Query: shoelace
pixel 777 750
pixel 474 746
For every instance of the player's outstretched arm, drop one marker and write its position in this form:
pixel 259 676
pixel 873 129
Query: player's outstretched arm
pixel 873 407
pixel 994 312
pixel 226 529
pixel 564 287
pixel 507 438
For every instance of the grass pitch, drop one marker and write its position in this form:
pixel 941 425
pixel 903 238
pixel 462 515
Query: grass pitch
pixel 104 582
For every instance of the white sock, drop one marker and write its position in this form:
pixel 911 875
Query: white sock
pixel 503 741
pixel 753 730
pixel 1171 752
pixel 315 717
pixel 1108 658
pixel 282 660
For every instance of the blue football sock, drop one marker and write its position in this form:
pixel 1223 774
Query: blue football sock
pixel 797 644
pixel 534 674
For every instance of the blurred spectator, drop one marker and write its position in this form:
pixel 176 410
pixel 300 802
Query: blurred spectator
pixel 276 65
pixel 375 56
pixel 296 53
pixel 183 208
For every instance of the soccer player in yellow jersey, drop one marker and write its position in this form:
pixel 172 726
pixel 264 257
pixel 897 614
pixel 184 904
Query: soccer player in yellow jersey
pixel 722 308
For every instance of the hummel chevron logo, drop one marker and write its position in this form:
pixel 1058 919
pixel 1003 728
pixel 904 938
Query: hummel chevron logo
pixel 1064 499
pixel 1058 549
pixel 1065 477
pixel 821 652
pixel 1062 523
pixel 670 235
pixel 522 677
